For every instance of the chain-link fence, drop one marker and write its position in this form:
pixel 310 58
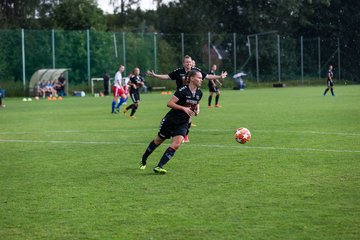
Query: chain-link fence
pixel 264 57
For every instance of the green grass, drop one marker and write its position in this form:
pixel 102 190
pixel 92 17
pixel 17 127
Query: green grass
pixel 69 169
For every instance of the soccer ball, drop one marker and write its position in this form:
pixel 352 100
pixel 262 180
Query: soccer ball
pixel 242 135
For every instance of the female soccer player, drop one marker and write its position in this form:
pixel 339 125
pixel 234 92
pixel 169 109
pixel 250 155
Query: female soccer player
pixel 118 90
pixel 179 76
pixel 136 82
pixel 330 82
pixel 184 104
pixel 213 88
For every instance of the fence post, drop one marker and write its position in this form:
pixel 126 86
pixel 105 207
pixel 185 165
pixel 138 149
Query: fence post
pixel 53 46
pixel 209 49
pixel 302 58
pixel 155 57
pixel 115 46
pixel 124 50
pixel 257 58
pixel 88 55
pixel 339 72
pixel 279 63
pixel 23 56
pixel 234 49
pixel 319 57
pixel 182 46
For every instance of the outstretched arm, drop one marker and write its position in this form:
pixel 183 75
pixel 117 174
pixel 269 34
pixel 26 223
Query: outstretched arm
pixel 214 77
pixel 159 76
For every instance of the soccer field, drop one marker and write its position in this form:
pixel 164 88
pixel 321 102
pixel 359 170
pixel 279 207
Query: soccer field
pixel 69 169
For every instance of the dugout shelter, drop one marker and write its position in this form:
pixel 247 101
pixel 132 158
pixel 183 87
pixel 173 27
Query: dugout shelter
pixel 48 75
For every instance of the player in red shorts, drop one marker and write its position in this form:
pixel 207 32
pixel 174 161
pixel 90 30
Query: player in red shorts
pixel 118 89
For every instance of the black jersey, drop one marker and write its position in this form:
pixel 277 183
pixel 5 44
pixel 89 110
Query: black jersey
pixel 137 80
pixel 210 85
pixel 179 76
pixel 187 99
pixel 330 75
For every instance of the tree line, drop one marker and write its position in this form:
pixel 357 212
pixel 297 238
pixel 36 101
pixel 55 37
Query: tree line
pixel 327 19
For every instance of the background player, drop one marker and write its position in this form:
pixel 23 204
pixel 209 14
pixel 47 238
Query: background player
pixel 135 83
pixel 184 104
pixel 118 90
pixel 330 82
pixel 213 88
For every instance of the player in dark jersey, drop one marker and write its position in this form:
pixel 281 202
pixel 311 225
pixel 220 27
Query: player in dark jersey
pixel 330 82
pixel 179 76
pixel 136 81
pixel 213 88
pixel 184 104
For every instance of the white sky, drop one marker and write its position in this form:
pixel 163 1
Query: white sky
pixel 144 4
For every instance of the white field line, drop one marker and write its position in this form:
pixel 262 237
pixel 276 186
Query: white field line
pixel 193 130
pixel 187 145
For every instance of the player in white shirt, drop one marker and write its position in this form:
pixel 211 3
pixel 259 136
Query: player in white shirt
pixel 118 89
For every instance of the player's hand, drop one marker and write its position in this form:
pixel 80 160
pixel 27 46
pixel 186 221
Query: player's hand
pixel 196 112
pixel 188 111
pixel 223 74
pixel 150 73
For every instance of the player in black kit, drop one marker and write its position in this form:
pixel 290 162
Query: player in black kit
pixel 179 76
pixel 184 104
pixel 330 82
pixel 136 81
pixel 213 88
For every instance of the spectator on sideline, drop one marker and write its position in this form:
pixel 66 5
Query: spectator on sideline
pixel 106 78
pixel 1 98
pixel 59 85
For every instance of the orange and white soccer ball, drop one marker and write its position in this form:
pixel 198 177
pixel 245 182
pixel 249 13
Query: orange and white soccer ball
pixel 242 135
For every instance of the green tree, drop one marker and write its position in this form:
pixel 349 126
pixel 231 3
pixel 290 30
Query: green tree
pixel 78 15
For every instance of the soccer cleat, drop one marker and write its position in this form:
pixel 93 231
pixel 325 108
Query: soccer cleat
pixel 117 109
pixel 125 111
pixel 142 165
pixel 210 106
pixel 113 112
pixel 159 170
pixel 193 125
pixel 218 106
pixel 132 117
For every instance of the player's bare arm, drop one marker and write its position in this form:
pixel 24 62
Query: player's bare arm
pixel 197 110
pixel 159 76
pixel 214 77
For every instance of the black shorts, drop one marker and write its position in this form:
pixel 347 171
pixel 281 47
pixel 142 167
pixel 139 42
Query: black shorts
pixel 170 129
pixel 213 89
pixel 135 97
